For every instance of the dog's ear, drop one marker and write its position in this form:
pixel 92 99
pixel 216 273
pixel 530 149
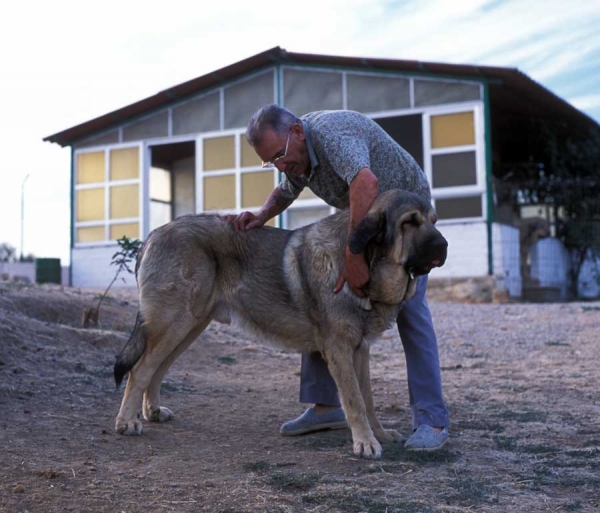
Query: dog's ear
pixel 371 226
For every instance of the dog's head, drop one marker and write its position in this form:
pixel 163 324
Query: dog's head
pixel 400 241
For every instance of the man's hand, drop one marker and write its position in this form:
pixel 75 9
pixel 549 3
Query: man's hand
pixel 245 221
pixel 356 273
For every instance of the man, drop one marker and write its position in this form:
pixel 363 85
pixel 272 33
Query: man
pixel 346 159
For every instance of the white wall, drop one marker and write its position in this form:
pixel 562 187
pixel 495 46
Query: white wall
pixel 92 269
pixel 467 257
pixel 467 250
pixel 26 270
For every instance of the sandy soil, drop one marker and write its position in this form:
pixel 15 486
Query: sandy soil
pixel 521 381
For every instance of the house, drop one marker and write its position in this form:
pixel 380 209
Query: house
pixel 183 150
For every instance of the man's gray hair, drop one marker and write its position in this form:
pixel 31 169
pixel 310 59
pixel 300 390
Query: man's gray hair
pixel 270 117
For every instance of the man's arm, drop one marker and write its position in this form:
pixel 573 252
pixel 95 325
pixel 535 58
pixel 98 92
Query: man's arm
pixel 275 204
pixel 363 191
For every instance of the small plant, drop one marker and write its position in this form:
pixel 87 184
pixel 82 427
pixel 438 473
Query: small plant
pixel 128 250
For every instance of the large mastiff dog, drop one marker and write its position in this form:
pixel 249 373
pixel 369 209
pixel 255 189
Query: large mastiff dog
pixel 278 283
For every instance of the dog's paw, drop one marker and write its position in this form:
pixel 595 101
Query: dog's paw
pixel 160 414
pixel 369 449
pixel 132 427
pixel 389 436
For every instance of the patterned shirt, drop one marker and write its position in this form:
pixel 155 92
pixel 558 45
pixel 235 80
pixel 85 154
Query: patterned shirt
pixel 340 143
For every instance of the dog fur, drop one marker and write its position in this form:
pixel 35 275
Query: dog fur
pixel 278 283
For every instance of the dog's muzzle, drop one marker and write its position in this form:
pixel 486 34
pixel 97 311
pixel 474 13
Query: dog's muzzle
pixel 431 253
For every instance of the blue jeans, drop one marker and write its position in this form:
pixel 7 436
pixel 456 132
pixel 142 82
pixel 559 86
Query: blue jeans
pixel 422 366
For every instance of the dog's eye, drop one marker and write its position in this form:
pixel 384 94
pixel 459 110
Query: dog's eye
pixel 413 220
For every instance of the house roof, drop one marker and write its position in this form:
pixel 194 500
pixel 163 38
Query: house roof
pixel 511 92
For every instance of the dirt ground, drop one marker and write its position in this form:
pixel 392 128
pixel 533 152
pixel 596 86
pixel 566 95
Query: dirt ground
pixel 521 382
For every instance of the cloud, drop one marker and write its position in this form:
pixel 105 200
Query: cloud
pixel 588 101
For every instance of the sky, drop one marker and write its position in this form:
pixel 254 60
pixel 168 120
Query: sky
pixel 66 62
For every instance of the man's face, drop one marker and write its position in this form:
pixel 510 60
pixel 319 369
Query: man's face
pixel 286 151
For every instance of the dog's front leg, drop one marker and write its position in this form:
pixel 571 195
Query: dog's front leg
pixel 363 374
pixel 340 362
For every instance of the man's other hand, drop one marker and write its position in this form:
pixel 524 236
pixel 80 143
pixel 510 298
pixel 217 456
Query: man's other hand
pixel 356 273
pixel 245 221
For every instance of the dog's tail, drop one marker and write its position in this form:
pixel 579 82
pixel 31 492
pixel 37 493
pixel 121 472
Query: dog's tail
pixel 132 351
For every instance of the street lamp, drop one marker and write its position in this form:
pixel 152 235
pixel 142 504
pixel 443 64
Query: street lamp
pixel 23 213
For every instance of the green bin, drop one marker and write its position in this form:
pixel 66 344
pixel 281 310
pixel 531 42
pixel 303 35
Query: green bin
pixel 47 270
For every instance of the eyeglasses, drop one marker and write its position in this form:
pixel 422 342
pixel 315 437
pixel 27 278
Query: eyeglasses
pixel 277 159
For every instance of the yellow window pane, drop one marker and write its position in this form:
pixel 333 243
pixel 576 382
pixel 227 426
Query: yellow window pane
pixel 219 153
pixel 124 164
pixel 124 201
pixel 90 204
pixel 90 234
pixel 452 130
pixel 90 167
pixel 271 222
pixel 131 230
pixel 256 188
pixel 249 156
pixel 219 192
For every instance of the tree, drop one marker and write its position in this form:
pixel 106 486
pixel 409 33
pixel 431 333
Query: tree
pixel 128 250
pixel 7 252
pixel 562 171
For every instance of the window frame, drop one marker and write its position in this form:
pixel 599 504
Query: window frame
pixel 106 185
pixel 238 171
pixel 479 188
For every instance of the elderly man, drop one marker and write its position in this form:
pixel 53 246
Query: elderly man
pixel 346 159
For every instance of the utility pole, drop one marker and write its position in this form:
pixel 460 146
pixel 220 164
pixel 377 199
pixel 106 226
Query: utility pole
pixel 23 213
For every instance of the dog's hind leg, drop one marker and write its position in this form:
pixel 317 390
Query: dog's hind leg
pixel 340 363
pixel 361 366
pixel 151 408
pixel 160 344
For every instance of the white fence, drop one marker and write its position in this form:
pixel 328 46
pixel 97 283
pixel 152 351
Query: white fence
pixel 25 271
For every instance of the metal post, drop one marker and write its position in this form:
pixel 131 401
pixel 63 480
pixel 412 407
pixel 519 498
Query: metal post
pixel 23 213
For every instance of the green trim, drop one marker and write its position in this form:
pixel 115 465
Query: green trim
pixel 72 208
pixel 488 174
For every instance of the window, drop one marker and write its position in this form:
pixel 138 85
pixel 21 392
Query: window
pixel 453 163
pixel 233 180
pixel 306 91
pixel 434 92
pixel 372 93
pixel 107 194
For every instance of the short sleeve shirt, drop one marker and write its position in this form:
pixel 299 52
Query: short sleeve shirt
pixel 341 143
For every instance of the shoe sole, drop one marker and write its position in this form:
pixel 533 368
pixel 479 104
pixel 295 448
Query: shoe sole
pixel 427 449
pixel 321 427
